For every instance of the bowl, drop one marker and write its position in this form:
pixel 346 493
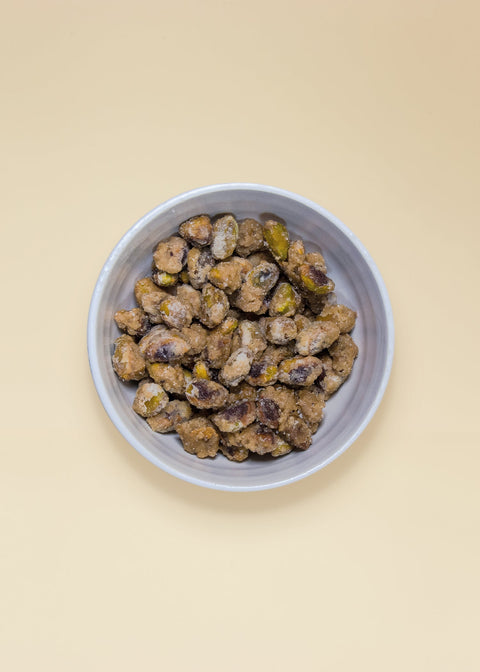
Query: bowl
pixel 358 285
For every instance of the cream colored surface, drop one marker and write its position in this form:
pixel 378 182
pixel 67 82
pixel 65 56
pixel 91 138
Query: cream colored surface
pixel 372 110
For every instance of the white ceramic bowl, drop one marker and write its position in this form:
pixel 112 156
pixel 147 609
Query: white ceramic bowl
pixel 358 285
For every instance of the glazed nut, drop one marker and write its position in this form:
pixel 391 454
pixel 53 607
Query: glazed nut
pixel 196 338
pixel 262 373
pixel 317 336
pixel 250 237
pixel 128 361
pixel 142 287
pixel 169 376
pixel 218 347
pixel 277 238
pixel 236 417
pixel 226 275
pixel 175 313
pixel 171 254
pixel 311 402
pixel 197 230
pixel 317 260
pixel 314 280
pixel 214 306
pixel 343 317
pixel 160 345
pixel 199 265
pixel 174 413
pixel 135 322
pixel 343 353
pixel 224 237
pixel 264 276
pixel 297 432
pixel 236 367
pixel 199 437
pixel 149 399
pixel 249 335
pixel 201 370
pixel 300 371
pixel 280 330
pixel 285 301
pixel 206 393
pixel 189 297
pixel 163 279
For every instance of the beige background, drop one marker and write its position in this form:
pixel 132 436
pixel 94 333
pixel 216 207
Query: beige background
pixel 372 110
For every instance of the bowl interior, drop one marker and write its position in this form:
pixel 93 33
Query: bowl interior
pixel 358 285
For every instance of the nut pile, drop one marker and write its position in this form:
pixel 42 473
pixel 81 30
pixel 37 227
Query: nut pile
pixel 236 340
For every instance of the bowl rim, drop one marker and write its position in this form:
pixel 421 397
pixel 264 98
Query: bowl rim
pixel 93 315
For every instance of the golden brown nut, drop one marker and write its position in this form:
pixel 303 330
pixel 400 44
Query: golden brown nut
pixel 249 335
pixel 316 337
pixel 317 260
pixel 226 275
pixel 232 451
pixel 236 417
pixel 225 236
pixel 258 282
pixel 135 322
pixel 149 399
pixel 201 370
pixel 300 371
pixel 259 439
pixel 171 254
pixel 162 345
pixel 214 306
pixel 175 313
pixel 150 302
pixel 250 237
pixel 196 337
pixel 218 347
pixel 330 381
pixel 343 317
pixel 262 373
pixel 280 330
pixel 142 287
pixel 297 433
pixel 236 368
pixel 190 297
pixel 311 402
pixel 197 230
pixel 275 405
pixel 169 376
pixel 302 322
pixel 243 392
pixel 285 301
pixel 174 413
pixel 206 393
pixel 277 353
pixel 199 264
pixel 314 280
pixel 128 362
pixel 343 353
pixel 199 437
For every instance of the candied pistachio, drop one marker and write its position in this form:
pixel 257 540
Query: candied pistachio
pixel 250 237
pixel 174 413
pixel 258 439
pixel 197 230
pixel 314 280
pixel 236 367
pixel 169 376
pixel 128 361
pixel 249 335
pixel 343 353
pixel 206 393
pixel 243 392
pixel 262 373
pixel 296 253
pixel 175 313
pixel 343 317
pixel 225 236
pixel 297 432
pixel 142 287
pixel 149 399
pixel 163 279
pixel 190 297
pixel 317 260
pixel 199 264
pixel 233 453
pixel 259 257
pixel 316 337
pixel 277 238
pixel 150 302
pixel 280 330
pixel 214 306
pixel 259 281
pixel 300 371
pixel 310 403
pixel 264 276
pixel 226 275
pixel 281 448
pixel 161 345
pixel 201 370
pixel 196 337
pixel 218 347
pixel 285 301
pixel 275 405
pixel 229 324
pixel 302 322
pixel 135 322
pixel 236 417
pixel 199 437
pixel 277 353
pixel 171 254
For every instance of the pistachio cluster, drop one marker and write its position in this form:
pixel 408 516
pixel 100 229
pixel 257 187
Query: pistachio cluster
pixel 236 340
